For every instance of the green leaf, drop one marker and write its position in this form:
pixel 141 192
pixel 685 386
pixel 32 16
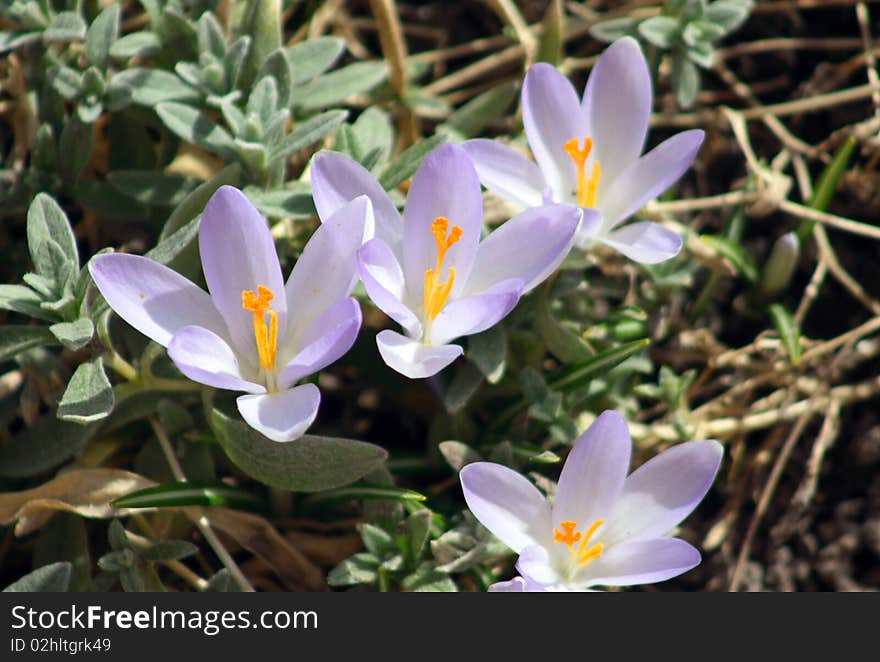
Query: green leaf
pixel 52 578
pixel 66 26
pixel 702 53
pixel 462 388
pixel 728 14
pixel 47 221
pixel 211 35
pixel 488 351
pixel 131 579
pixel 195 127
pixel 223 582
pixel 64 538
pixel 169 550
pixel 358 569
pixel 408 162
pixel 136 44
pixel 613 29
pixel 74 335
pixel 458 454
pixel 24 300
pixel 823 194
pixel 364 492
pixel 75 147
pixel 117 536
pixel 308 133
pixel 307 464
pixel 377 541
pixel 152 188
pixel 562 342
pixel 733 252
pixel 701 32
pixel 282 203
pixel 43 446
pixel 88 396
pixel 172 247
pixel 16 338
pixel 101 35
pixel 66 81
pixel 661 31
pixel 597 365
pixel 173 495
pixel 550 42
pixel 338 85
pixel 416 528
pixel 788 331
pixel 195 202
pixel 474 116
pixel 150 87
pixel 279 68
pixel 181 41
pixel 427 579
pixel 686 81
pixel 262 21
pixel 372 130
pixel 313 57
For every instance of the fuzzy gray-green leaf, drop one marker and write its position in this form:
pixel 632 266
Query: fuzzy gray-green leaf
pixel 89 396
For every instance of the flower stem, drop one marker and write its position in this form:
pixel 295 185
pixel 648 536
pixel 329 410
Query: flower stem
pixel 203 524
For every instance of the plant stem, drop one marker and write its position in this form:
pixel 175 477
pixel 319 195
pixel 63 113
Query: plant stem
pixel 202 522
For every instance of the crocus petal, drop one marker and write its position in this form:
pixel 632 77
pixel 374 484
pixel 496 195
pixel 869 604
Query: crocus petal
pixel 154 299
pixel 506 503
pixel 238 254
pixel 589 229
pixel 642 562
pixel 446 184
pixel 327 269
pixel 552 116
pixel 476 313
pixel 645 242
pixel 515 585
pixel 617 103
pixel 663 491
pixel 327 340
pixel 284 415
pixel 413 359
pixel 528 247
pixel 594 472
pixel 648 177
pixel 337 179
pixel 534 564
pixel 507 172
pixel 383 279
pixel 204 357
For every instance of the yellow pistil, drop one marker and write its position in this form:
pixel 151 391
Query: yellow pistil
pixel 569 536
pixel 587 187
pixel 266 336
pixel 436 293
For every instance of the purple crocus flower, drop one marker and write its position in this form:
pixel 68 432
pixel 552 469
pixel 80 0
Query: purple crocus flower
pixel 588 153
pixel 604 527
pixel 430 272
pixel 252 333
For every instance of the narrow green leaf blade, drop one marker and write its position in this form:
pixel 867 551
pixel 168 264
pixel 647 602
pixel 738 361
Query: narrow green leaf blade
pixel 174 495
pixel 788 331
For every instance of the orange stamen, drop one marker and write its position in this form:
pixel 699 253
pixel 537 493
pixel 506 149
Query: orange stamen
pixel 266 336
pixel 587 187
pixel 436 293
pixel 569 536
